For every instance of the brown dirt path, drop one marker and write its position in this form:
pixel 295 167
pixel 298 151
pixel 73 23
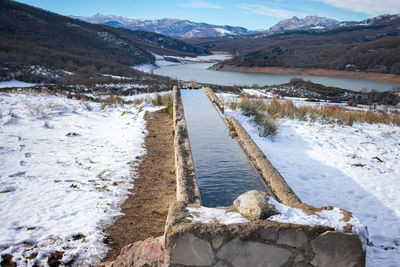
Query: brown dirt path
pixel 154 189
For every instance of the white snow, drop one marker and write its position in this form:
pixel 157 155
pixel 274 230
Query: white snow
pixel 222 31
pixel 331 218
pixel 148 68
pixel 213 215
pixel 15 83
pixel 66 168
pixel 116 77
pixel 328 164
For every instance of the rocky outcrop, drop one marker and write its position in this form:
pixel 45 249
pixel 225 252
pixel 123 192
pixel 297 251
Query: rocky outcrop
pixel 149 252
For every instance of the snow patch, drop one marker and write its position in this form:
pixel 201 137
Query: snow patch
pixel 213 215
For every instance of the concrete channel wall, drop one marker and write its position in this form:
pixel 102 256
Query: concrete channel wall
pixel 259 242
pixel 187 189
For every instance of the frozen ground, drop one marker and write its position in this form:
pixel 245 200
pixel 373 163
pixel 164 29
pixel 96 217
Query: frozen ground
pixel 356 168
pixel 66 168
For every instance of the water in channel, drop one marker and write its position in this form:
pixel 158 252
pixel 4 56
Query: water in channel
pixel 222 168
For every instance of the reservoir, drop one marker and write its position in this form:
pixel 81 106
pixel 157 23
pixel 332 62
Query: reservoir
pixel 222 168
pixel 200 73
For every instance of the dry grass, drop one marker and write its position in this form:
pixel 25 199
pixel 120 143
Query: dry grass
pixel 156 100
pixel 326 114
pixel 256 109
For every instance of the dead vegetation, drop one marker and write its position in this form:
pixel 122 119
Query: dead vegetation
pixel 259 109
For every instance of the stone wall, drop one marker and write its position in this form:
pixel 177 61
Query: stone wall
pixel 257 243
pixel 187 189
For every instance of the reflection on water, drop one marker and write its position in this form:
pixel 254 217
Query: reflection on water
pixel 222 169
pixel 199 72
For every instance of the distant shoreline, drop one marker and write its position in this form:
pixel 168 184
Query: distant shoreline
pixel 380 77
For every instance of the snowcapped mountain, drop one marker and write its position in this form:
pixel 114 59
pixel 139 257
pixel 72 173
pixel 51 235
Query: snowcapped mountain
pixel 309 22
pixel 171 27
pixel 381 20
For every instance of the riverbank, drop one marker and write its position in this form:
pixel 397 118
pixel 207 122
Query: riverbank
pixel 154 188
pixel 380 77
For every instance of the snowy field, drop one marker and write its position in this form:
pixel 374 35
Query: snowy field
pixel 66 168
pixel 356 168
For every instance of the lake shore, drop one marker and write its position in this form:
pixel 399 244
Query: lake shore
pixel 380 77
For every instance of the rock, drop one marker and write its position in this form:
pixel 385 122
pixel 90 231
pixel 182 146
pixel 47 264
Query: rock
pixel 193 251
pixel 217 241
pixel 141 253
pixel 269 234
pixel 6 261
pixel 248 253
pixel 105 264
pixel 54 259
pixel 299 257
pixel 334 248
pixel 254 205
pixel 292 237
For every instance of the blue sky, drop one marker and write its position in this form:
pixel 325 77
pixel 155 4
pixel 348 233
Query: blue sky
pixel 252 14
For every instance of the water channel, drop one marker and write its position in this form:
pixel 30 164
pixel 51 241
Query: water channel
pixel 200 73
pixel 222 168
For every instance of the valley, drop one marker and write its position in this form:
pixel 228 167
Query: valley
pixel 146 138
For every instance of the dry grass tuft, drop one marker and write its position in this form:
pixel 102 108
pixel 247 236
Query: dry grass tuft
pixel 256 109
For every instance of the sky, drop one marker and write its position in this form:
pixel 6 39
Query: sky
pixel 251 14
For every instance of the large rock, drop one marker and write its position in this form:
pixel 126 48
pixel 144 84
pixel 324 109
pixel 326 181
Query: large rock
pixel 337 249
pixel 247 253
pixel 142 253
pixel 193 251
pixel 292 237
pixel 254 205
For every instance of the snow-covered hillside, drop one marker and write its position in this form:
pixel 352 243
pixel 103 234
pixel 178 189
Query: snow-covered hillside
pixel 66 168
pixel 353 167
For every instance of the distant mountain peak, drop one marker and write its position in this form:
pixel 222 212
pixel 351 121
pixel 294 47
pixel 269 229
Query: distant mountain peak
pixel 309 22
pixel 166 26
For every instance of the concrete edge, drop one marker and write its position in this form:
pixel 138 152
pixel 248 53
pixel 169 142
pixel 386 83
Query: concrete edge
pixel 187 189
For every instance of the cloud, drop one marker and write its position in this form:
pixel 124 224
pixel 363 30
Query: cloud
pixel 201 4
pixel 371 7
pixel 269 11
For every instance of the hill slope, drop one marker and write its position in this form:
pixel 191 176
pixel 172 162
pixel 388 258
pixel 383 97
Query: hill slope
pixel 372 45
pixel 32 36
pixel 170 27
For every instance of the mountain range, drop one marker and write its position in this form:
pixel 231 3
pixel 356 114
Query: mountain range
pixel 170 27
pixel 187 29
